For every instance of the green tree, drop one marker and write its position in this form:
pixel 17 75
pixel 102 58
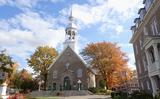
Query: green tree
pixel 6 65
pixel 105 58
pixel 41 60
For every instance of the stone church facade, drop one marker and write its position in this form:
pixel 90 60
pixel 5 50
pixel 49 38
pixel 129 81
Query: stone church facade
pixel 69 71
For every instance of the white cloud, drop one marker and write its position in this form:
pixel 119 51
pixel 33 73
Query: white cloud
pixel 55 1
pixel 131 66
pixel 23 33
pixel 125 45
pixel 109 13
pixel 19 3
pixel 26 31
pixel 119 29
pixel 25 3
pixel 131 62
pixel 123 6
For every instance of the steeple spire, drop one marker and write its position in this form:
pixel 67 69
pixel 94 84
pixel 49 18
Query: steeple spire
pixel 71 18
pixel 71 31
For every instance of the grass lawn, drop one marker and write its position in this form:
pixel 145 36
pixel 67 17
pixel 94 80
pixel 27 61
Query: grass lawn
pixel 42 98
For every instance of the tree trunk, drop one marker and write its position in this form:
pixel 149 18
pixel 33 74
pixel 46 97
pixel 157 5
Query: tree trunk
pixel 45 81
pixel 106 83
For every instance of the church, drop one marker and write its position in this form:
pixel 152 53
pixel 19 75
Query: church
pixel 69 71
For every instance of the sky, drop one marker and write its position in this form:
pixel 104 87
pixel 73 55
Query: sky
pixel 27 24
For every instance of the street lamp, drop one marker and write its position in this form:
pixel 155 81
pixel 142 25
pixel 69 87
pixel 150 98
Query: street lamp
pixel 79 84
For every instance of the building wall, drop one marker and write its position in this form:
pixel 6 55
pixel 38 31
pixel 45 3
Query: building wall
pixel 143 38
pixel 71 71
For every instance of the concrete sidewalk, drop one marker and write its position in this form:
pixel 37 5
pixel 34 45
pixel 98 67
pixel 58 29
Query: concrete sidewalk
pixel 86 97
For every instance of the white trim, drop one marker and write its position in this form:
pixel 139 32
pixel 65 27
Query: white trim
pixel 155 26
pixel 144 63
pixel 145 30
pixel 153 29
pixel 153 86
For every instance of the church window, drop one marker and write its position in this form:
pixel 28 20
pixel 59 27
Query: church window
pixel 55 74
pixel 68 53
pixel 67 65
pixel 54 86
pixel 79 73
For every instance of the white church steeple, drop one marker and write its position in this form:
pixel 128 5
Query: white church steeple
pixel 70 33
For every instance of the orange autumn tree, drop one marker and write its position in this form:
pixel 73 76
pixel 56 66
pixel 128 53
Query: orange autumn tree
pixel 106 59
pixel 120 76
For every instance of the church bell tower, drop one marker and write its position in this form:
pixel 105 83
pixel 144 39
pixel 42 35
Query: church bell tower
pixel 70 33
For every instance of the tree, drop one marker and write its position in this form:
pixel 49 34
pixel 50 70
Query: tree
pixel 23 80
pixel 41 60
pixel 6 65
pixel 120 76
pixel 27 82
pixel 105 58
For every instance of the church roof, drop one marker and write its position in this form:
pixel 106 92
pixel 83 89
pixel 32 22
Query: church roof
pixel 61 54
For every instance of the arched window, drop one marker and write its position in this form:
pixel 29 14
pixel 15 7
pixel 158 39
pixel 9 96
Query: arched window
pixel 54 86
pixel 79 73
pixel 152 58
pixel 67 65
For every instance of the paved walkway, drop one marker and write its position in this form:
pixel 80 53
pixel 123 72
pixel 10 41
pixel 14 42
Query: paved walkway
pixel 86 97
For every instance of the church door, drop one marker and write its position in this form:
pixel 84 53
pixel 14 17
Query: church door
pixel 66 84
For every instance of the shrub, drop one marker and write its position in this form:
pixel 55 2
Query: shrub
pixel 99 91
pixel 119 95
pixel 112 94
pixel 158 95
pixel 93 90
pixel 141 95
pixel 135 95
pixel 108 92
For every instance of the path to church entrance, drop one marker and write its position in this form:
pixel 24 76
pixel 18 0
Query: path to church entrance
pixel 86 97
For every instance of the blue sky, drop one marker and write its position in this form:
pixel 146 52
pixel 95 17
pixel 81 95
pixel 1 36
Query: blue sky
pixel 27 24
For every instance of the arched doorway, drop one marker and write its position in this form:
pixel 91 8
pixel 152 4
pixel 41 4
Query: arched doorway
pixel 54 86
pixel 66 84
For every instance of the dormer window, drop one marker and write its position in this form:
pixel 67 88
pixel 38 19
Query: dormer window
pixel 137 22
pixel 133 28
pixel 142 13
pixel 147 3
